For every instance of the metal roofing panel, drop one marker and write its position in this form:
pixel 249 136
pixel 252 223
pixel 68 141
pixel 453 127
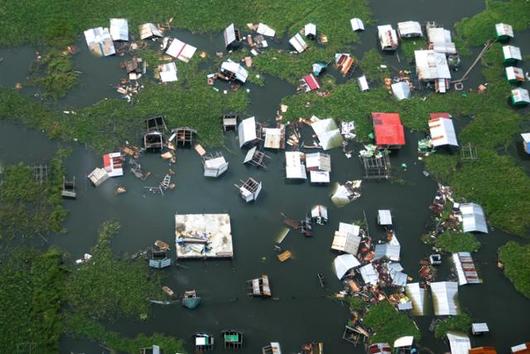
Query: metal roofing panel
pixel 431 65
pixel 363 83
pixel 388 129
pixel 168 72
pixel 265 30
pixel 357 24
pixel 401 90
pixel 310 29
pixel 99 41
pixel 473 218
pixel 119 29
pixel 229 34
pixel 384 217
pixel 327 132
pixel 409 29
pixel 444 296
pixel 504 29
pixel 405 341
pixel 417 296
pixel 298 43
pixel 459 343
pixel 180 50
pixel 247 131
pixel 294 168
pixel 511 52
pixel 148 30
pixel 237 69
pixel 369 274
pixel 312 82
pixel 387 37
pixel 343 263
pixel 442 131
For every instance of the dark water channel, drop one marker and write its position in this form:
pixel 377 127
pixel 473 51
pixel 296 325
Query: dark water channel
pixel 303 311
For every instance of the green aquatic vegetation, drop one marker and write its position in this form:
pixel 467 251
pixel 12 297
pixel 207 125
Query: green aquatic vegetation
pixel 453 242
pixel 409 45
pixel 108 123
pixel 54 73
pixel 109 288
pixel 458 323
pixel 27 207
pixel 62 21
pixel 388 324
pixel 476 30
pixel 515 258
pixel 80 326
pixel 370 65
pixel 31 296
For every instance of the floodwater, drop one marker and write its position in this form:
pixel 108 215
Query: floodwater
pixel 303 311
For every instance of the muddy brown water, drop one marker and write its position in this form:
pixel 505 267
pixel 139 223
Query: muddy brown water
pixel 303 310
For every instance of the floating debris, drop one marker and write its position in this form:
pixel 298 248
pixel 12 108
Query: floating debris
pixel 346 193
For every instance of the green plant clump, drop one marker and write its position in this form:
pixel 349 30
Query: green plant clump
pixel 515 258
pixel 458 323
pixel 107 288
pixel 27 207
pixel 388 324
pixel 453 242
pixel 55 73
pixel 78 325
pixel 31 296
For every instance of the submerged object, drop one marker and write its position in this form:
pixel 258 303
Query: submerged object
pixel 190 299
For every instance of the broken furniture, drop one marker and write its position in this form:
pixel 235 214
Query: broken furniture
pixel 183 136
pixel 249 189
pixel 256 157
pixel 68 191
pixel 259 287
pixel 154 135
pixel 230 121
pixel 214 164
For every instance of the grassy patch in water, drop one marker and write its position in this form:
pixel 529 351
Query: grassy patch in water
pixel 409 45
pixel 28 208
pixel 79 326
pixel 476 30
pixel 515 258
pixel 108 288
pixel 61 21
pixel 458 323
pixel 54 73
pixel 388 324
pixel 31 296
pixel 108 123
pixel 453 242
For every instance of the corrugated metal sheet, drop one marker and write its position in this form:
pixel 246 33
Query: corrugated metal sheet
pixel 180 50
pixel 409 29
pixel 473 218
pixel 229 34
pixel 369 274
pixel 343 263
pixel 311 82
pixel 442 130
pixel 401 90
pixel 431 65
pixel 265 30
pixel 465 268
pixel 327 132
pixel 357 24
pixel 237 69
pixel 459 343
pixel 148 30
pixel 294 167
pixel 511 52
pixel 298 43
pixel 389 250
pixel 504 29
pixel 418 297
pixel 99 41
pixel 388 129
pixel 384 217
pixel 388 38
pixel 444 296
pixel 246 131
pixel 119 29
